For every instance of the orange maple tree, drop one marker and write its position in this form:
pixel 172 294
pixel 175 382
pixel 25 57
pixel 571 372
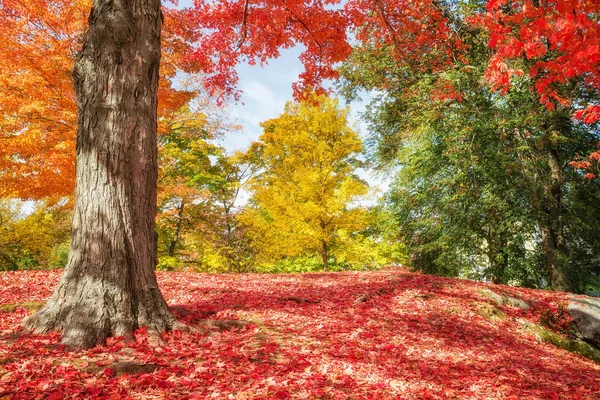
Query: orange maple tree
pixel 38 120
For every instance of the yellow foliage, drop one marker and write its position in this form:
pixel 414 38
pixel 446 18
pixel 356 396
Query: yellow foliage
pixel 306 191
pixel 26 241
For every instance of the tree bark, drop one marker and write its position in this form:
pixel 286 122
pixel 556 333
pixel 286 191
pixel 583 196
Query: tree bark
pixel 175 240
pixel 109 287
pixel 325 255
pixel 498 258
pixel 551 226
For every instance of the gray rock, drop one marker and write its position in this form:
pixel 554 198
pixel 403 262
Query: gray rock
pixel 495 297
pixel 585 311
pixel 573 345
pixel 516 302
pixel 505 300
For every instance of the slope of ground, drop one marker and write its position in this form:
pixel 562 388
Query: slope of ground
pixel 387 334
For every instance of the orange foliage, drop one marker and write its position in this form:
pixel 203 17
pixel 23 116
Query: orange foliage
pixel 38 119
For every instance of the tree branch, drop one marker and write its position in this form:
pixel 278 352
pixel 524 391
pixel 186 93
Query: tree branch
pixel 244 29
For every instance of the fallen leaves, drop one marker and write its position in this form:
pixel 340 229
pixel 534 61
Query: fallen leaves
pixel 415 337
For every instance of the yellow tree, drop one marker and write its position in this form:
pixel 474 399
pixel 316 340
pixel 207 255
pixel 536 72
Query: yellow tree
pixel 303 197
pixel 27 240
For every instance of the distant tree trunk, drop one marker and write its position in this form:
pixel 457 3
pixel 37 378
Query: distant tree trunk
pixel 173 244
pixel 109 287
pixel 324 246
pixel 551 226
pixel 498 259
pixel 325 255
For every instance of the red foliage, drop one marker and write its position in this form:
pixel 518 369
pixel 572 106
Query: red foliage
pixel 561 40
pixel 227 32
pixel 556 316
pixel 560 37
pixel 361 335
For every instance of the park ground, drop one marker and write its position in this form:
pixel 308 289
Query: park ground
pixel 388 334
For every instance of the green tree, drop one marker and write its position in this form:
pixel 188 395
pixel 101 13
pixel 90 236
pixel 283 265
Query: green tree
pixel 199 184
pixel 484 187
pixel 31 239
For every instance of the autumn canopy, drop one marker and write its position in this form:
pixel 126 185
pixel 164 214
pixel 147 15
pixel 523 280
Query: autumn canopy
pixel 559 38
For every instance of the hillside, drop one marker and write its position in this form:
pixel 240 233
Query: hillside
pixel 362 335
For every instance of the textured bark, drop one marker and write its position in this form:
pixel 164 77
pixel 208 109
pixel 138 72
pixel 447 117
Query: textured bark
pixel 109 287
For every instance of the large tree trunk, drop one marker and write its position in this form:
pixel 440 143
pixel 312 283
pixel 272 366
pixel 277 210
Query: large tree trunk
pixel 109 287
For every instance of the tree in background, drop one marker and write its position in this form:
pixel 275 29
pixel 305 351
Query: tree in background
pixel 32 240
pixel 484 180
pixel 228 235
pixel 304 197
pixel 199 184
pixel 185 153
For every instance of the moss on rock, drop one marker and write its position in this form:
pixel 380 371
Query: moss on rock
pixel 489 311
pixel 576 346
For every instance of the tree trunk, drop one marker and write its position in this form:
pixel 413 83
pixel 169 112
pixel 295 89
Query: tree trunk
pixel 498 259
pixel 173 244
pixel 325 256
pixel 553 258
pixel 551 227
pixel 109 287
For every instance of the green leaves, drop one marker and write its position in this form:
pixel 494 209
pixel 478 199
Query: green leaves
pixel 478 174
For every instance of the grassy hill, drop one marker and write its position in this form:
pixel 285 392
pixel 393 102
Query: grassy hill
pixel 388 334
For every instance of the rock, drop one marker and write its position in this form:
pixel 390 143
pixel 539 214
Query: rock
pixel 585 311
pixel 516 302
pixel 495 297
pixel 505 300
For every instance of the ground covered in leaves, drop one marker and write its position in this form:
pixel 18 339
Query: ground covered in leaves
pixel 387 334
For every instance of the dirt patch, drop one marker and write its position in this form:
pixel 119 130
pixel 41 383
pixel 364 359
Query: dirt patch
pixel 224 324
pixel 299 300
pixel 29 306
